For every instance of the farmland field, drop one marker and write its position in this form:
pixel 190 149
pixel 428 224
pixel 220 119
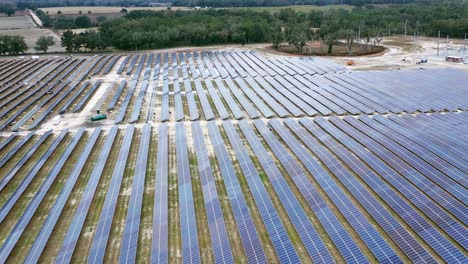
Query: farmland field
pixel 16 22
pixel 229 156
pixel 69 10
pixel 24 26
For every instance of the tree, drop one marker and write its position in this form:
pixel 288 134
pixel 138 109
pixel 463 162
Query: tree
pixel 18 45
pixel 83 22
pixel 46 20
pixel 332 22
pixel 67 40
pixel 12 45
pixel 7 8
pixel 101 19
pixel 10 11
pixel 63 22
pixel 238 37
pixel 350 36
pixel 43 43
pixel 92 40
pixel 277 34
pixel 297 35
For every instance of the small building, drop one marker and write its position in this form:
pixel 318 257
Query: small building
pixel 454 59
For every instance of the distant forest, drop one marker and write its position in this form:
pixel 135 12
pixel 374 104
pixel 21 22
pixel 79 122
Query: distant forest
pixel 205 3
pixel 251 3
pixel 213 3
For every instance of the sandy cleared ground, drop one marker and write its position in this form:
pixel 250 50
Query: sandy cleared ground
pixel 32 34
pixel 24 26
pixel 16 22
pixel 400 48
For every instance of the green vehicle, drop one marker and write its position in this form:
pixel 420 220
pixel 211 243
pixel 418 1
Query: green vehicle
pixel 98 117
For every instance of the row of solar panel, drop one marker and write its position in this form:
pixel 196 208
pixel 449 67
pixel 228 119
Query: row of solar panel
pixel 233 64
pixel 281 96
pixel 41 99
pixel 358 158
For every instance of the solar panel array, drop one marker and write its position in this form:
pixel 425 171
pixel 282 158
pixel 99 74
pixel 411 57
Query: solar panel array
pixel 255 159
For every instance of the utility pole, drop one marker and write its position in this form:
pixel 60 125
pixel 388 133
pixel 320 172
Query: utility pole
pixel 446 47
pixel 438 44
pixel 464 46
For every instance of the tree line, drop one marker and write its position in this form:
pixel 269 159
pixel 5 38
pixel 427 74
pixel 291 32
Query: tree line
pixel 146 29
pixel 66 22
pixel 251 3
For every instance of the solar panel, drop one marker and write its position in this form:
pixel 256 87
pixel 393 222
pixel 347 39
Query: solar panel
pixel 132 64
pixel 226 65
pixel 234 64
pixel 427 231
pixel 241 99
pixel 15 148
pixel 179 108
pixel 159 246
pixel 416 162
pixel 283 100
pixel 192 105
pixel 219 238
pixel 122 66
pixel 128 250
pixel 54 213
pixel 116 96
pixel 71 238
pixel 279 238
pixel 236 111
pixel 86 96
pixel 6 207
pixel 203 98
pixel 138 102
pixel 111 64
pixel 254 98
pixel 7 141
pixel 338 234
pixel 411 175
pixel 101 235
pixel 306 231
pixel 223 113
pixel 6 179
pixel 365 230
pixel 28 214
pixel 188 226
pixel 452 159
pixel 248 234
pixel 126 102
pixel 279 109
pixel 290 96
